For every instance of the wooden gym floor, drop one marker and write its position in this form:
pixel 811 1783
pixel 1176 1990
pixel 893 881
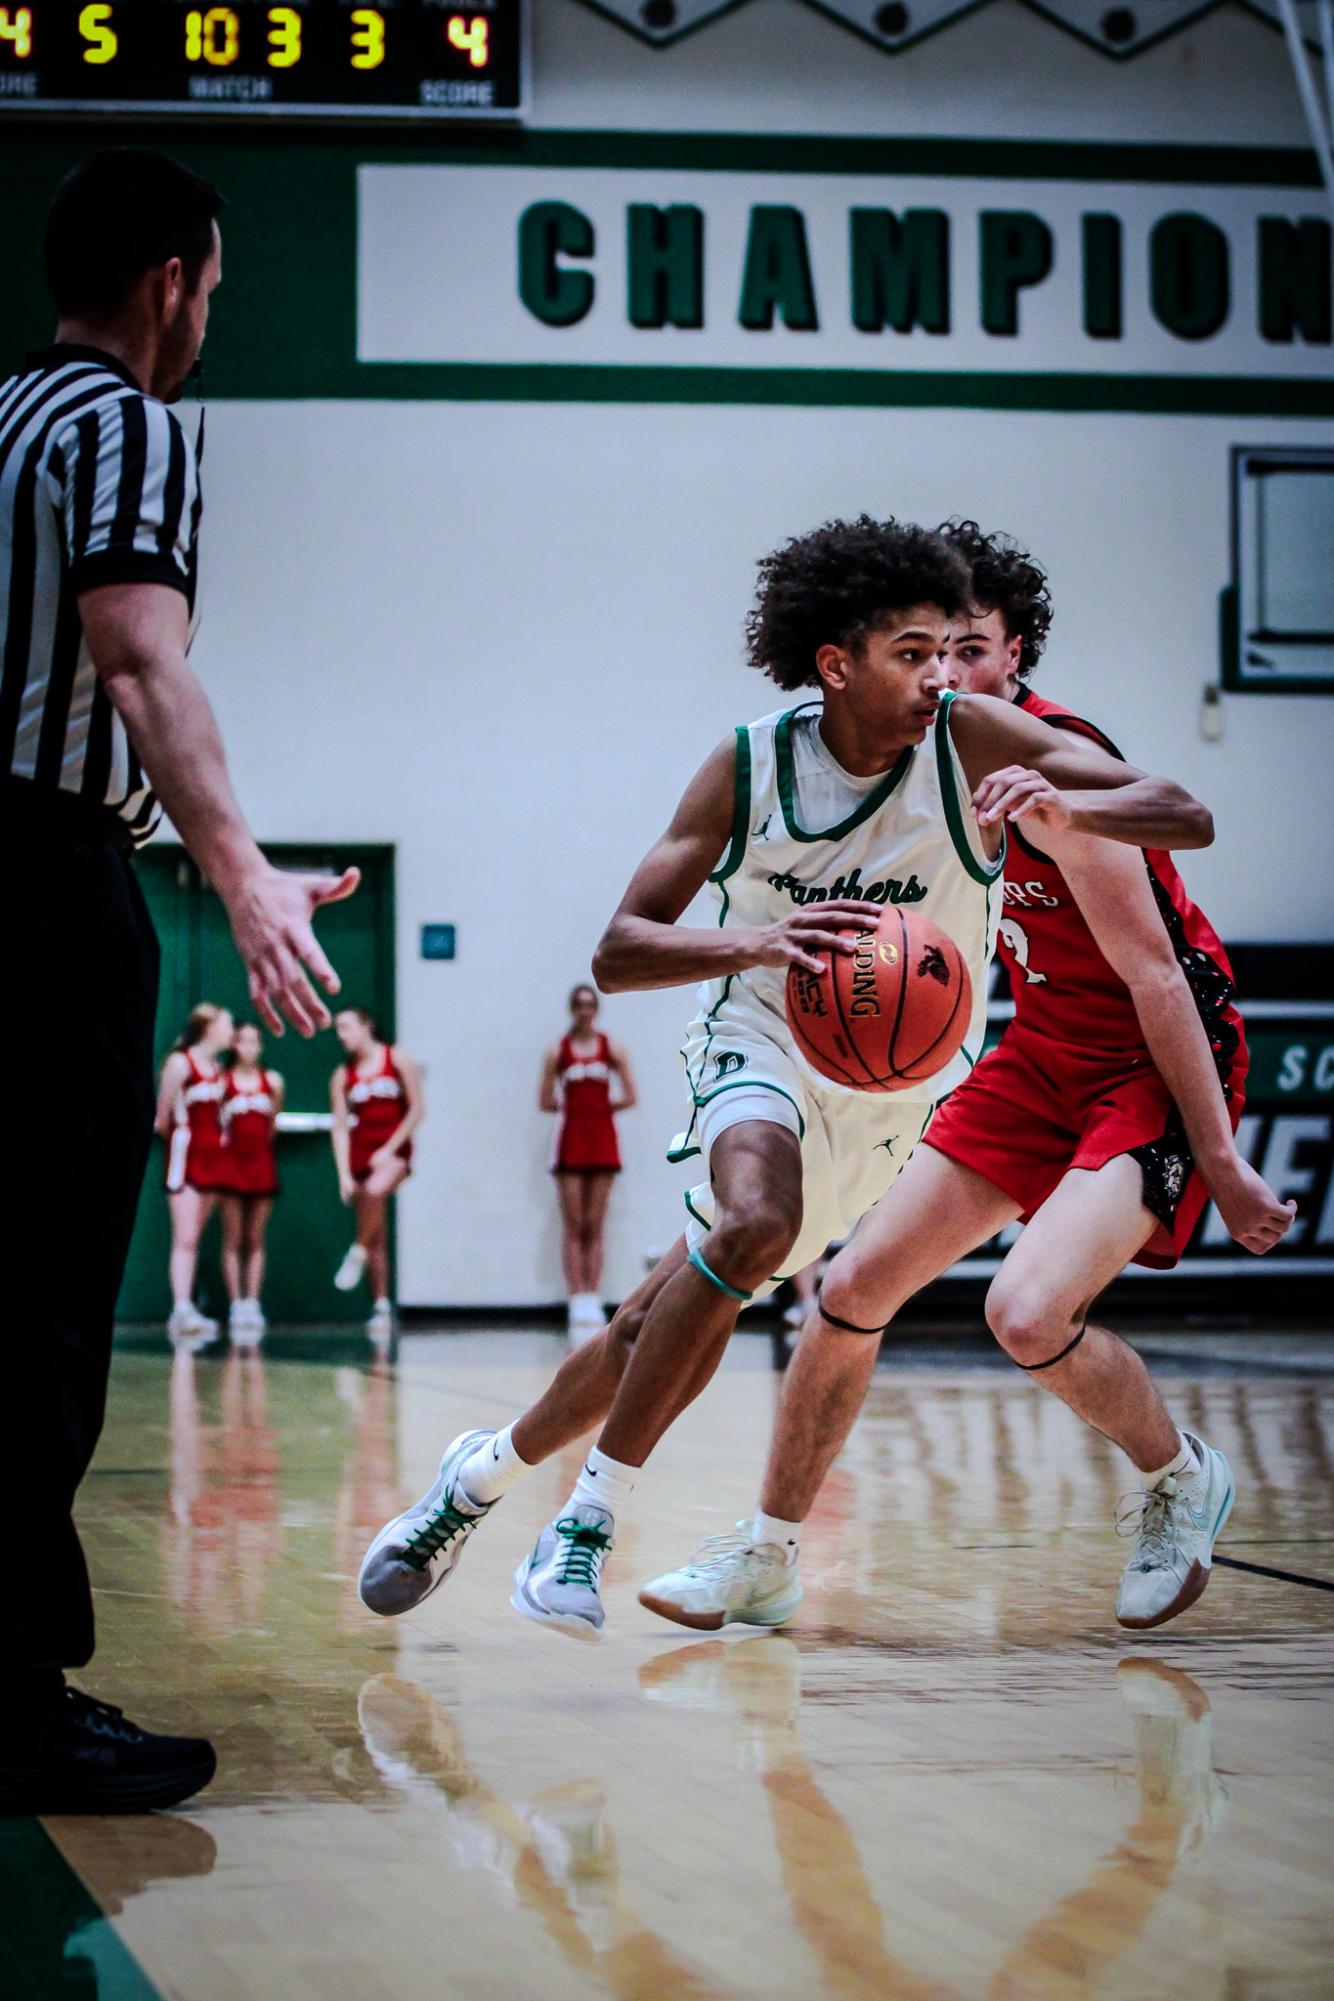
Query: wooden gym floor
pixel 952 1776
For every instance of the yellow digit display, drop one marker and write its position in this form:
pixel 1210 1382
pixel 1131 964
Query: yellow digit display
pixel 474 36
pixel 213 36
pixel 95 27
pixel 284 37
pixel 17 29
pixel 367 38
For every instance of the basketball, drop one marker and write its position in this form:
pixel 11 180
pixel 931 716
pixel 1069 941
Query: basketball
pixel 887 1015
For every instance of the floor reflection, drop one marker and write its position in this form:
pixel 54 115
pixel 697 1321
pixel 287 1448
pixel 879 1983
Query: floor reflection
pixel 952 1779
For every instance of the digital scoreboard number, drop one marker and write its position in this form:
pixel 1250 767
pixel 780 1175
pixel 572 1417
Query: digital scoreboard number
pixel 422 59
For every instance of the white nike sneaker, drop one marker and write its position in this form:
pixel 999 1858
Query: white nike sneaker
pixel 1174 1526
pixel 348 1275
pixel 415 1553
pixel 380 1326
pixel 558 1581
pixel 189 1328
pixel 730 1580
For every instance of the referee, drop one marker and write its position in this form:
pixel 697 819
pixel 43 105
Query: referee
pixel 100 718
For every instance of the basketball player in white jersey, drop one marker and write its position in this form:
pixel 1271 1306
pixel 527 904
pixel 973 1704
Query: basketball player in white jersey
pixel 812 818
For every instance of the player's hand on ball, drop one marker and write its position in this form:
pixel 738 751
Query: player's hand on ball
pixel 1019 794
pixel 1254 1216
pixel 814 928
pixel 271 912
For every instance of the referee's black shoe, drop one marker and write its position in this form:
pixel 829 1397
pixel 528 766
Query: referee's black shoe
pixel 77 1755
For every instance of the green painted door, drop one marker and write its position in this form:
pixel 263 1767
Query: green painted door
pixel 310 1227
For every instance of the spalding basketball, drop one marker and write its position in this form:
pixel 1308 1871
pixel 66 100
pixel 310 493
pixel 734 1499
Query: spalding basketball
pixel 888 1014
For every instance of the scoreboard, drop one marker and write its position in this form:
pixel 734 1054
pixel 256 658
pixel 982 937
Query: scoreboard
pixel 420 59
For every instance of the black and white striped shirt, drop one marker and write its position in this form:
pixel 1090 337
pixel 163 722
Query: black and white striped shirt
pixel 98 485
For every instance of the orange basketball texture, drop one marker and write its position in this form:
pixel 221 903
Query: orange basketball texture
pixel 890 1013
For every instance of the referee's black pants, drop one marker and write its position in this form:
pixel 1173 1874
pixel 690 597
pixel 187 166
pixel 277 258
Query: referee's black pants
pixel 77 1005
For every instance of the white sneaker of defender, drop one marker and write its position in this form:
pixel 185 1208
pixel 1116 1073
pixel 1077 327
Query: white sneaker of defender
pixel 730 1580
pixel 1175 1526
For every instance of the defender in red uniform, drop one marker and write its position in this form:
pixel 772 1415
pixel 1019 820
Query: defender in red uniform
pixel 377 1106
pixel 189 1107
pixel 1104 1119
pixel 576 1083
pixel 251 1103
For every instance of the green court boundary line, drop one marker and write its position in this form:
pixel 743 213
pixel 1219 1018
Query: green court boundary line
pixel 822 388
pixel 45 1910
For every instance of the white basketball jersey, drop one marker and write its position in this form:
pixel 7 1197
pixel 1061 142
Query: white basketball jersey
pixel 911 841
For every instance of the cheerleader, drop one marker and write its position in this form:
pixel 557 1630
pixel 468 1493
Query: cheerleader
pixel 576 1085
pixel 377 1106
pixel 251 1101
pixel 189 1107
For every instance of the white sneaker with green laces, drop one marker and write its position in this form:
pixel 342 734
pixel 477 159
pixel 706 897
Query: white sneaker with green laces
pixel 558 1582
pixel 416 1552
pixel 1175 1526
pixel 730 1580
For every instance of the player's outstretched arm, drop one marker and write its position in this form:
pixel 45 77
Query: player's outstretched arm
pixel 1111 886
pixel 1023 769
pixel 644 946
pixel 137 635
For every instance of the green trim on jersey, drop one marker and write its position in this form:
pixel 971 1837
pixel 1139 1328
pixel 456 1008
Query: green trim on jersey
pixel 872 803
pixel 949 792
pixel 754 1084
pixel 736 848
pixel 691 1210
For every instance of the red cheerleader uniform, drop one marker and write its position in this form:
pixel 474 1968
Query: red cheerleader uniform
pixel 377 1105
pixel 586 1137
pixel 1071 1082
pixel 248 1118
pixel 205 1163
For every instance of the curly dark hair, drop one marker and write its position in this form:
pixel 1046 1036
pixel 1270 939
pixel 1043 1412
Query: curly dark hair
pixel 1005 579
pixel 837 584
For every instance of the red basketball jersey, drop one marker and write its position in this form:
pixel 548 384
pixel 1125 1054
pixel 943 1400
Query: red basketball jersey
pixel 1063 987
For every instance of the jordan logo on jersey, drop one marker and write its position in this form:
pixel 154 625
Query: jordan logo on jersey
pixel 892 891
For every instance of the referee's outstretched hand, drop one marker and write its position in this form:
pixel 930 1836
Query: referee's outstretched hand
pixel 271 917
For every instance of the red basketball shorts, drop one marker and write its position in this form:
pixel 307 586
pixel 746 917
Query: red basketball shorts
pixel 1034 1108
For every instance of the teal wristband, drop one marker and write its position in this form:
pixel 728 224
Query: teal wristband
pixel 721 1283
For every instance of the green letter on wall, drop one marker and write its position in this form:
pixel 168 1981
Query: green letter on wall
pixel 1102 276
pixel 547 230
pixel 900 270
pixel 1189 286
pixel 777 278
pixel 1015 251
pixel 664 257
pixel 1294 279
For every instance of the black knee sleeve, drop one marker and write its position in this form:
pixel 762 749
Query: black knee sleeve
pixel 1029 1367
pixel 846 1326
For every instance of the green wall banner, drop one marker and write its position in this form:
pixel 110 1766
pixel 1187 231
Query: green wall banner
pixel 618 267
pixel 694 267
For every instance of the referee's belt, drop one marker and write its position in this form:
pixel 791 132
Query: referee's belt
pixel 34 808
